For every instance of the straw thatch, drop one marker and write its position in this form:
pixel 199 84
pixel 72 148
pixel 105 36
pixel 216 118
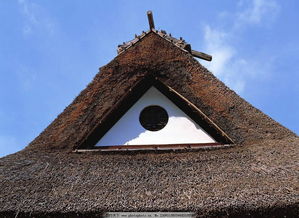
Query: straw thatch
pixel 258 176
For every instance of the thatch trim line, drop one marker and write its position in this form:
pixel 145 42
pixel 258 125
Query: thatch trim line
pixel 202 114
pixel 156 147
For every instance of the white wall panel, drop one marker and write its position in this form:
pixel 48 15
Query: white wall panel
pixel 180 128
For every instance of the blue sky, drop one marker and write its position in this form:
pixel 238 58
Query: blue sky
pixel 50 50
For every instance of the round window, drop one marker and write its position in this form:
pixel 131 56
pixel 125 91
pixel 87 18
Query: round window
pixel 153 118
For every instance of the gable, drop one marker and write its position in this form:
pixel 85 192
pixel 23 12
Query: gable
pixel 180 128
pixel 209 131
pixel 98 107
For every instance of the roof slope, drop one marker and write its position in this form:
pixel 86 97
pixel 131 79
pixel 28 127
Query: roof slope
pixel 257 176
pixel 257 179
pixel 177 69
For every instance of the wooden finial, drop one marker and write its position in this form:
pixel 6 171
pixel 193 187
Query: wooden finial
pixel 150 19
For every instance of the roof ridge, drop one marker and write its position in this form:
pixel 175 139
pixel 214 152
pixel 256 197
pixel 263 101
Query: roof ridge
pixel 180 43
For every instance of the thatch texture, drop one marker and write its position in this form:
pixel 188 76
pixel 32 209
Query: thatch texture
pixel 176 68
pixel 257 176
pixel 252 179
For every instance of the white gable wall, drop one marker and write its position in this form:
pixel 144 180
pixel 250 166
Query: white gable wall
pixel 180 129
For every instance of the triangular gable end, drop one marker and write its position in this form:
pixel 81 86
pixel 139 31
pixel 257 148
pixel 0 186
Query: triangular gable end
pixel 93 140
pixel 154 120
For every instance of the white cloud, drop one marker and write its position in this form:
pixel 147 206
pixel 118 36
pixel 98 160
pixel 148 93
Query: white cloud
pixel 35 18
pixel 27 10
pixel 215 42
pixel 259 10
pixel 228 63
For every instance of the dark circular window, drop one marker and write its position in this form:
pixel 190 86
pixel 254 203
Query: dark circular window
pixel 153 118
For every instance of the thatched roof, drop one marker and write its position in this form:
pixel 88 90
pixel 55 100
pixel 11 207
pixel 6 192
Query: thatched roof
pixel 258 175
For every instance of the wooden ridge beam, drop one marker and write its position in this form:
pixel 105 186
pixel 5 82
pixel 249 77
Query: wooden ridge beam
pixel 201 55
